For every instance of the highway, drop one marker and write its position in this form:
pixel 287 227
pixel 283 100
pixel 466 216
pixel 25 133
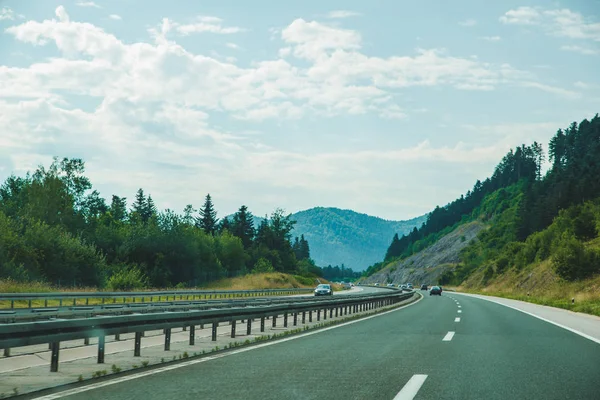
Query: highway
pixel 448 347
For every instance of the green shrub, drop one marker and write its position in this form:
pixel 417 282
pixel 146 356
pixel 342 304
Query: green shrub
pixel 127 278
pixel 263 265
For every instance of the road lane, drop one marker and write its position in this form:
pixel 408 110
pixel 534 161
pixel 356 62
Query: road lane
pixel 495 353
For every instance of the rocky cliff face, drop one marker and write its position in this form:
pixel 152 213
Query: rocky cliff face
pixel 427 265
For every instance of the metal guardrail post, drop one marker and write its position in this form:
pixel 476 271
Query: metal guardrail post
pixel 101 340
pixel 167 339
pixel 118 337
pixel 274 321
pixel 137 344
pixel 336 311
pixel 331 312
pixel 6 352
pixel 86 341
pixel 54 357
pixel 192 334
pixel 295 318
pixel 318 315
pixel 303 317
pixel 233 328
pixel 214 331
pixel 324 314
pixel 262 324
pixel 249 327
pixel 285 319
pixel 310 316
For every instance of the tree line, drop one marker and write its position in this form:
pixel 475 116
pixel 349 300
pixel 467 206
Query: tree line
pixel 55 228
pixel 523 204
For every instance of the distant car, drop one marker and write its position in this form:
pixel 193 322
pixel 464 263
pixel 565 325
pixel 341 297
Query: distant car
pixel 377 284
pixel 404 287
pixel 423 287
pixel 409 286
pixel 323 290
pixel 390 285
pixel 435 290
pixel 400 286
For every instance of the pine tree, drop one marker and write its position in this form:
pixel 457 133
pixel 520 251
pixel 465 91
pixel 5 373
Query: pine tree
pixel 208 217
pixel 242 226
pixel 150 208
pixel 118 208
pixel 139 206
pixel 304 249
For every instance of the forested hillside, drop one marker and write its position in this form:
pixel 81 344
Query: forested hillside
pixel 531 218
pixel 55 228
pixel 345 238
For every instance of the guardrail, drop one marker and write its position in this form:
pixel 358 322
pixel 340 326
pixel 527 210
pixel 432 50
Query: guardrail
pixel 159 295
pixel 34 314
pixel 53 332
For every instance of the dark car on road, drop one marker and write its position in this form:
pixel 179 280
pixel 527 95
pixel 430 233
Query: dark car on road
pixel 324 290
pixel 423 287
pixel 435 290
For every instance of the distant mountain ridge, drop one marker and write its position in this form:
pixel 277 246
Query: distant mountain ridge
pixel 338 236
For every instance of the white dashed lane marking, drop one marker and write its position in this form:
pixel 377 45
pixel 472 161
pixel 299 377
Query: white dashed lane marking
pixel 410 390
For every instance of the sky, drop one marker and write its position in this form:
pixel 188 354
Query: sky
pixel 388 108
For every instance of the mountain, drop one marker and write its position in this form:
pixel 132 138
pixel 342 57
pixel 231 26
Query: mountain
pixel 346 237
pixel 519 233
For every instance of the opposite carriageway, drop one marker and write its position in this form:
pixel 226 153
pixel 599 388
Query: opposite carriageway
pixel 55 331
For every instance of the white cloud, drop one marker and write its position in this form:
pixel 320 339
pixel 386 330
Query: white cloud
pixel 115 17
pixel 232 46
pixel 491 38
pixel 87 4
pixel 159 98
pixel 6 14
pixel 569 94
pixel 521 16
pixel 581 50
pixel 557 22
pixel 338 14
pixel 62 15
pixel 312 40
pixel 581 85
pixel 206 24
pixel 468 22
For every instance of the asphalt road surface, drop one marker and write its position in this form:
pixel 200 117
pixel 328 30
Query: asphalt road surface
pixel 421 351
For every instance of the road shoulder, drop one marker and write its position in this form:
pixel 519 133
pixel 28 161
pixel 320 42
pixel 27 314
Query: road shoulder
pixel 584 325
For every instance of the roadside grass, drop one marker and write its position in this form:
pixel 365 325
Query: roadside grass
pixel 273 280
pixel 539 284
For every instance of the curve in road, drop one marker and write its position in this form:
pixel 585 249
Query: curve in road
pixel 448 347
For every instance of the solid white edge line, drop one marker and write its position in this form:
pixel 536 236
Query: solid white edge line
pixel 448 336
pixel 410 390
pixel 575 331
pixel 459 311
pixel 457 319
pixel 209 358
pixel 459 306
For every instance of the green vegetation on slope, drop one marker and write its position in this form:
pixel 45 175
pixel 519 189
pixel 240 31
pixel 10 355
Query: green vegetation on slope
pixel 55 229
pixel 536 223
